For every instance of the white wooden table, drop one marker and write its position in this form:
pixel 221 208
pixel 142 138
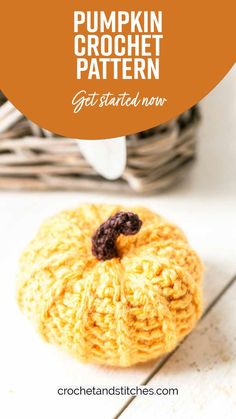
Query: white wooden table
pixel 203 367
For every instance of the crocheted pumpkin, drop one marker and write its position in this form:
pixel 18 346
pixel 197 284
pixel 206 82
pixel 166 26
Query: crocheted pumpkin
pixel 114 292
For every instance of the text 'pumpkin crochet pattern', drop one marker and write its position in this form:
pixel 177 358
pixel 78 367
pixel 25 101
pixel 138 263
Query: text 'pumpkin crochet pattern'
pixel 111 285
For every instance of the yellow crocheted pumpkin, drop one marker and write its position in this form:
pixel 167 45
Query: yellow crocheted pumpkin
pixel 109 285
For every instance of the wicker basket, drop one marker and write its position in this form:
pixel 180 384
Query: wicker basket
pixel 33 158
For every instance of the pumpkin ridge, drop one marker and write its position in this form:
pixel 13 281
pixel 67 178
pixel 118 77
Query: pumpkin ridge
pixel 123 332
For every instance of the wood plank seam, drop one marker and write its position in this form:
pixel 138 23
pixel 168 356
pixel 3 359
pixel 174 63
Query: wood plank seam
pixel 166 358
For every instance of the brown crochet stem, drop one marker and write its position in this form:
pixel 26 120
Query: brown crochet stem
pixel 104 239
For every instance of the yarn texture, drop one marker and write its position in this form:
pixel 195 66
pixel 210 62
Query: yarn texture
pixel 131 308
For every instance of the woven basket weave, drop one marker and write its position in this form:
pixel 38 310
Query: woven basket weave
pixel 33 158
